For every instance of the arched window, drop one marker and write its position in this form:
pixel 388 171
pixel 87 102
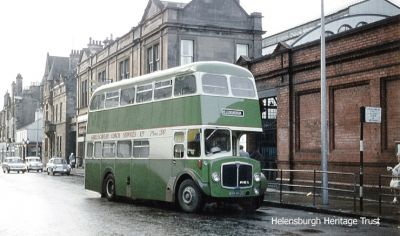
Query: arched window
pixel 328 33
pixel 344 28
pixel 361 23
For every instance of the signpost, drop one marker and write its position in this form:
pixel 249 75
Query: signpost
pixel 367 115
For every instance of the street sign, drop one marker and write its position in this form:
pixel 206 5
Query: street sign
pixel 370 114
pixel 373 114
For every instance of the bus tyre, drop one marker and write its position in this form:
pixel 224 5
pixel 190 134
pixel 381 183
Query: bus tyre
pixel 109 187
pixel 190 198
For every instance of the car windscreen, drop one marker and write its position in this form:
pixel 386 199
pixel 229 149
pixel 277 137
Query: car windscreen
pixel 59 161
pixel 14 161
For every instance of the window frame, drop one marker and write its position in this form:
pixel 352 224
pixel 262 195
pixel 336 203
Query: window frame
pixel 163 87
pixel 144 91
pixel 190 53
pixel 147 146
pixel 238 50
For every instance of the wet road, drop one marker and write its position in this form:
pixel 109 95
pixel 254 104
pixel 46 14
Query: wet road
pixel 38 204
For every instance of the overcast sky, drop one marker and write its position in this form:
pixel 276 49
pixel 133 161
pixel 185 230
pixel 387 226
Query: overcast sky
pixel 32 28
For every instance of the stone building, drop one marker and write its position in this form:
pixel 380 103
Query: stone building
pixel 169 34
pixel 18 111
pixel 362 69
pixel 59 102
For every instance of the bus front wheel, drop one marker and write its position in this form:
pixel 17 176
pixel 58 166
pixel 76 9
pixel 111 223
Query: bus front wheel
pixel 109 187
pixel 190 198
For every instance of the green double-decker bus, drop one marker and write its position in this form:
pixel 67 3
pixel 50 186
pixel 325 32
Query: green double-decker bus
pixel 173 136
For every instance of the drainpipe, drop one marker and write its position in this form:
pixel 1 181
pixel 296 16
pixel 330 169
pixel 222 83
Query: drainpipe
pixel 291 114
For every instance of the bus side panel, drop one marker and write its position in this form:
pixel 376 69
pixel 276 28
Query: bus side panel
pixel 122 174
pixel 158 176
pixel 139 180
pixel 93 175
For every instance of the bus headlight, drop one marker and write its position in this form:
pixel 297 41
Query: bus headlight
pixel 215 177
pixel 257 177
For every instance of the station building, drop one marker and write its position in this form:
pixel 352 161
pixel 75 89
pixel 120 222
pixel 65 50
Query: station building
pixel 362 69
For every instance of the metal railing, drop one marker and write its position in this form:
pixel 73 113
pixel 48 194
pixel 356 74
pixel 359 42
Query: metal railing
pixel 316 184
pixel 381 194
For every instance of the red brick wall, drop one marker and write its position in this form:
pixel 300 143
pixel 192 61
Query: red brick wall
pixel 346 117
pixel 393 113
pixel 309 122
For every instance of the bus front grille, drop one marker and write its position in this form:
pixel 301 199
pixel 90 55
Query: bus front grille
pixel 237 175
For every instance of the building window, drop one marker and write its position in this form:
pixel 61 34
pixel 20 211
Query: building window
pixel 124 69
pixel 186 52
pixel 242 50
pixel 153 58
pixel 56 113
pixel 328 33
pixel 361 23
pixel 269 112
pixel 344 28
pixel 60 112
pixel 84 93
pixel 101 77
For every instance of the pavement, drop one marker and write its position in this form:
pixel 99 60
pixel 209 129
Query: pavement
pixel 79 171
pixel 341 206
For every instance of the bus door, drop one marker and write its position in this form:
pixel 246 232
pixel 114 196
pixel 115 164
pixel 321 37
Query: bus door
pixel 177 162
pixel 123 168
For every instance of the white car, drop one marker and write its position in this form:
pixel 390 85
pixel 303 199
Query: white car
pixel 13 164
pixel 58 165
pixel 34 163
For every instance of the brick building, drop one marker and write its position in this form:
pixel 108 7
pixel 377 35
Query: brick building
pixel 362 69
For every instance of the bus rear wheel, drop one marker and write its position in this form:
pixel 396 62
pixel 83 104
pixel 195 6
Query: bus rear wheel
pixel 190 198
pixel 109 187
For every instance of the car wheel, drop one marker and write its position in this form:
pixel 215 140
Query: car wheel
pixel 8 171
pixel 27 170
pixel 48 172
pixel 18 171
pixel 37 171
pixel 109 187
pixel 190 197
pixel 51 172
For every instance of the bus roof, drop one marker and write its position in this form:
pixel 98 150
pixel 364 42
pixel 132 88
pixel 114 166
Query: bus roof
pixel 213 67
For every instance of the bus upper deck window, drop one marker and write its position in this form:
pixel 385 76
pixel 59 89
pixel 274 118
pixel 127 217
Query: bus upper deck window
pixel 162 89
pixel 185 85
pixel 144 93
pixel 97 102
pixel 215 84
pixel 242 87
pixel 112 99
pixel 127 96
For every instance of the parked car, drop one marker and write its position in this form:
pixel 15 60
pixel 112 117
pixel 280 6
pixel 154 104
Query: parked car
pixel 13 164
pixel 58 165
pixel 33 163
